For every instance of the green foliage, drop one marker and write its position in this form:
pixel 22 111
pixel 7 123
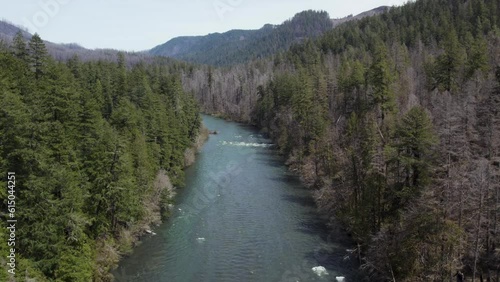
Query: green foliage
pixel 477 57
pixel 76 263
pixel 414 140
pixel 20 49
pixel 237 46
pixel 448 65
pixel 86 141
pixel 303 97
pixel 38 55
pixel 379 78
pixel 386 168
pixel 417 238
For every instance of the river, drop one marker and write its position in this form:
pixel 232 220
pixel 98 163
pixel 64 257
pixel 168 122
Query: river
pixel 241 217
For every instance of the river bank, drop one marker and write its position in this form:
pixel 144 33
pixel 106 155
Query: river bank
pixel 242 217
pixel 110 251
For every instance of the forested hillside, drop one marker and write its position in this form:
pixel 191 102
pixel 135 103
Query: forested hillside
pixel 96 149
pixel 237 46
pixel 64 52
pixel 8 30
pixel 394 121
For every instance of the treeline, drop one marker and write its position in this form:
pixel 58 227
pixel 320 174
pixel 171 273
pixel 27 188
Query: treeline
pixel 64 52
pixel 394 121
pixel 238 46
pixel 96 148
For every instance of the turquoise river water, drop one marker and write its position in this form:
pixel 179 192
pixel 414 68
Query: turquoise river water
pixel 241 217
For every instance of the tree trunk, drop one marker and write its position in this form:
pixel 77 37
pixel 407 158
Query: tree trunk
pixel 478 228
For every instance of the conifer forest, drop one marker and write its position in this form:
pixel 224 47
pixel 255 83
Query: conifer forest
pixel 392 121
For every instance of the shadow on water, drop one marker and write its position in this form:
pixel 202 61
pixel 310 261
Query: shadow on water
pixel 334 259
pixel 249 127
pixel 288 179
pixel 301 200
pixel 265 152
pixel 270 162
pixel 314 226
pixel 332 253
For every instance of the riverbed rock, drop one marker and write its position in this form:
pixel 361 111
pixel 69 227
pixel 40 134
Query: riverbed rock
pixel 320 270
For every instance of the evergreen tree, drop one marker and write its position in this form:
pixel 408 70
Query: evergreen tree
pixel 38 55
pixel 449 64
pixel 414 139
pixel 19 46
pixel 87 146
pixel 380 79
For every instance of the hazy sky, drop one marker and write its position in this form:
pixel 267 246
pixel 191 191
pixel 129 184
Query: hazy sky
pixel 142 24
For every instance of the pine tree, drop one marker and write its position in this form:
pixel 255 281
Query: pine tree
pixel 449 64
pixel 380 79
pixel 414 139
pixel 38 55
pixel 477 57
pixel 19 46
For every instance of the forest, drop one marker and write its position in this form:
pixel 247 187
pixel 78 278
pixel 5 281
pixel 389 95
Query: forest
pixel 238 46
pixel 97 149
pixel 394 123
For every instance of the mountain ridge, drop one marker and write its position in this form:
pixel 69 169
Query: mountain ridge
pixel 218 49
pixel 65 51
pixel 237 45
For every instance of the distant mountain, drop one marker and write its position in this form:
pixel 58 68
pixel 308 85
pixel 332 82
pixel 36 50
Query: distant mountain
pixel 9 30
pixel 370 13
pixel 218 49
pixel 63 52
pixel 237 46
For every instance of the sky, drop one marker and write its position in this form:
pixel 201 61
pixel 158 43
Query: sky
pixel 136 25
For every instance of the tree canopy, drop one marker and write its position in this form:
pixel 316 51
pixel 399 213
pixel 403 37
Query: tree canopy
pixel 86 141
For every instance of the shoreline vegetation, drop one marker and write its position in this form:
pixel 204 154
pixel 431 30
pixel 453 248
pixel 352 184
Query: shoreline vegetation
pixel 111 255
pixel 190 153
pixel 393 121
pixel 98 148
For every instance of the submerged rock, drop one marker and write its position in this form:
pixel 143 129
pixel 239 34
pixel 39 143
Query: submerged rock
pixel 150 232
pixel 320 270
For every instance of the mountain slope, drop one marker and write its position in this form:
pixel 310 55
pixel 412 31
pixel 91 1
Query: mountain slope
pixel 237 46
pixel 8 31
pixel 394 121
pixel 370 13
pixel 63 52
